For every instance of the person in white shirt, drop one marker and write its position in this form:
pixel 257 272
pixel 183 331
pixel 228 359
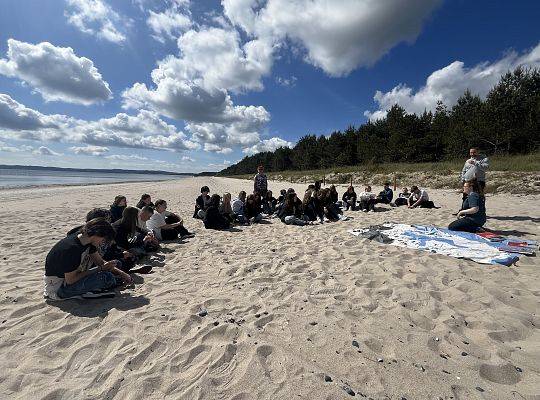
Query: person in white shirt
pixel 367 199
pixel 238 208
pixel 419 198
pixel 144 215
pixel 161 228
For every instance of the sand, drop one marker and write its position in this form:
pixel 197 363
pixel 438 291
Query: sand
pixel 284 305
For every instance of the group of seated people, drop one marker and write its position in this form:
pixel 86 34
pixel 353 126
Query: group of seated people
pixel 96 257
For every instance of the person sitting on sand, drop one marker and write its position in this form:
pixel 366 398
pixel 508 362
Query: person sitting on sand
pixel 253 209
pixel 238 208
pixel 225 208
pixel 419 198
pixel 472 215
pixel 334 196
pixel 386 195
pixel 403 198
pixel 146 200
pixel 164 230
pixel 69 266
pixel 291 212
pixel 367 199
pixel 117 207
pixel 129 237
pixel 269 204
pixel 145 214
pixel 213 219
pixel 308 206
pixel 201 203
pixel 349 199
pixel 330 209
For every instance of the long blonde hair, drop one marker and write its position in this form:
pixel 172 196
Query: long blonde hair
pixel 226 207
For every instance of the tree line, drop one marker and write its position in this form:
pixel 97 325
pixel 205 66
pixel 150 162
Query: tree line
pixel 506 122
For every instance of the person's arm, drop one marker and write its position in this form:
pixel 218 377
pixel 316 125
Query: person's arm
pixel 472 202
pixel 483 164
pixel 464 170
pixel 468 211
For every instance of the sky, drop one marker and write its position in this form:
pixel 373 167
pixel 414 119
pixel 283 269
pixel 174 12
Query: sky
pixel 196 85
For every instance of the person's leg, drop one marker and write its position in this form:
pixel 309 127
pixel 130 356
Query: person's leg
pixel 464 224
pixel 292 220
pixel 201 214
pixel 371 204
pixel 427 204
pixel 257 218
pixel 172 219
pixel 94 281
pixel 169 234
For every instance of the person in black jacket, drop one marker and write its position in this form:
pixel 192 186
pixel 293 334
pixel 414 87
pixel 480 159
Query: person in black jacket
pixel 201 203
pixel 291 212
pixel 253 209
pixel 270 203
pixel 334 194
pixel 117 207
pixel 213 219
pixel 349 199
pixel 386 195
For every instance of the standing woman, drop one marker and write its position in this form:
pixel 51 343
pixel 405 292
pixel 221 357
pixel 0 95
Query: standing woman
pixel 117 207
pixel 473 210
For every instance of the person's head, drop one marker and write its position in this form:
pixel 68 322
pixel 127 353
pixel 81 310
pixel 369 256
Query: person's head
pixel 214 200
pixel 405 190
pixel 98 213
pixel 145 213
pixel 307 197
pixel 473 152
pixel 146 199
pixel 386 185
pixel 250 199
pixel 120 201
pixel 226 198
pixel 130 217
pixel 472 186
pixel 414 189
pixel 311 186
pixel 318 185
pixel 205 190
pixel 242 196
pixel 283 192
pixel 269 195
pixel 290 190
pixel 350 189
pixel 99 231
pixel 290 199
pixel 333 189
pixel 161 205
pixel 260 169
pixel 367 188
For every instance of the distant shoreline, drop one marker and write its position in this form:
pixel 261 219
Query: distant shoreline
pixel 103 171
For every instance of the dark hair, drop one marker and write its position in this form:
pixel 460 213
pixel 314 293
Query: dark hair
pixel 386 183
pixel 214 200
pixel 130 217
pixel 290 190
pixel 414 188
pixel 148 209
pixel 307 197
pixel 118 199
pixel 350 188
pixel 145 196
pixel 283 192
pixel 268 194
pixel 318 185
pixel 99 227
pixel 289 201
pixel 159 202
pixel 473 183
pixel 241 194
pixel 205 189
pixel 311 186
pixel 98 213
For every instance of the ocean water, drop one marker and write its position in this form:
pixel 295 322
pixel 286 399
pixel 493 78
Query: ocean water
pixel 15 178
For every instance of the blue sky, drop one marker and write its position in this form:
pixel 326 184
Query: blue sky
pixel 193 86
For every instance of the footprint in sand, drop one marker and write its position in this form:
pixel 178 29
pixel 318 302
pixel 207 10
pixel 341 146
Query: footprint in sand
pixel 505 374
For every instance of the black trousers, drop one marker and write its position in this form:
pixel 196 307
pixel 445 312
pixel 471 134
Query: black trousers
pixel 465 224
pixel 367 204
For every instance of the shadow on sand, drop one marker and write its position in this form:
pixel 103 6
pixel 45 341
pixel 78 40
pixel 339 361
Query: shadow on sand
pixel 91 308
pixel 521 218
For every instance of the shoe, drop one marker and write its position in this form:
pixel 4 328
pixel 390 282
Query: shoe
pixel 187 235
pixel 145 269
pixel 98 294
pixel 365 211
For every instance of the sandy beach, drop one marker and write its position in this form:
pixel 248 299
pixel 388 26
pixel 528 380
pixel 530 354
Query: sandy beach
pixel 284 306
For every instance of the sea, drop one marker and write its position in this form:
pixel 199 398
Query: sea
pixel 20 178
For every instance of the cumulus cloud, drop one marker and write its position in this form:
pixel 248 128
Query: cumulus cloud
pixel 45 151
pixel 287 82
pixel 123 157
pixel 55 72
pixel 166 24
pixel 449 83
pixel 97 18
pixel 144 130
pixel 339 35
pixel 187 159
pixel 267 145
pixel 90 150
pixel 14 149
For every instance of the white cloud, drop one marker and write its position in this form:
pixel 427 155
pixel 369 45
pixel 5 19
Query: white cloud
pixel 287 82
pixel 187 159
pixel 45 151
pixel 90 150
pixel 123 157
pixel 97 18
pixel 165 25
pixel 145 130
pixel 13 149
pixel 55 72
pixel 338 35
pixel 449 83
pixel 267 145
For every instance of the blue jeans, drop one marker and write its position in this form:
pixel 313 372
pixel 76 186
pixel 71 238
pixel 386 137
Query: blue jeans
pixel 94 281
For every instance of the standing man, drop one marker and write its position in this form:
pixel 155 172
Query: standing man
pixel 475 168
pixel 260 182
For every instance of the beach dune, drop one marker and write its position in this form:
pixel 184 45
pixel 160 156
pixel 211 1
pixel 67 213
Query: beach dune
pixel 270 311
